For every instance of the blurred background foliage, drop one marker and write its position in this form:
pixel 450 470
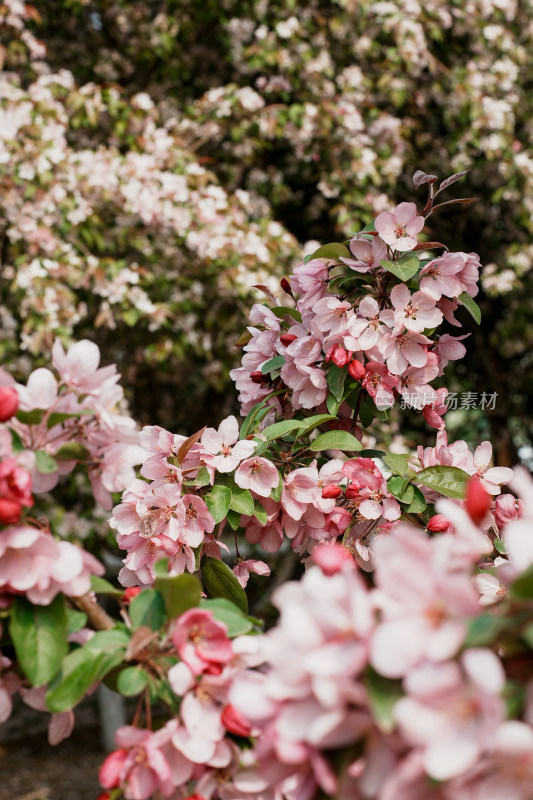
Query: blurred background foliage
pixel 158 159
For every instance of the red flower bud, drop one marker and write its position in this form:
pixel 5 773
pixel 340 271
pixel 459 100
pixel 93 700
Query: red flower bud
pixel 352 490
pixel 438 523
pixel 104 796
pixel 356 370
pixel 285 285
pixel 234 722
pixel 287 338
pixel 257 376
pixel 10 511
pixel 130 593
pixel 339 356
pixel 195 796
pixel 330 491
pixel 477 500
pixel 9 402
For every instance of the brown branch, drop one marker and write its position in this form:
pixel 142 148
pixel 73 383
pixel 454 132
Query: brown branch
pixel 97 617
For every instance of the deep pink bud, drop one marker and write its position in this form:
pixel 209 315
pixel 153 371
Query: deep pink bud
pixel 477 500
pixel 331 558
pixel 285 285
pixel 9 402
pixel 257 376
pixel 195 796
pixel 10 511
pixel 234 722
pixel 438 523
pixel 287 338
pixel 352 490
pixel 340 356
pixel 130 593
pixel 330 491
pixel 356 370
pixel 104 796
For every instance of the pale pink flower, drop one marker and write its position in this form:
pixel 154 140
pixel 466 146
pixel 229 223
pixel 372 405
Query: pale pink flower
pixel 489 587
pixel 491 477
pixel 300 488
pixel 367 255
pixel 201 640
pixel 449 348
pixel 439 277
pixel 306 349
pixel 469 275
pixel 332 316
pixel 414 312
pixel 424 602
pixel 224 446
pixel 364 330
pixel 198 520
pixel 400 227
pixel 40 390
pixel 506 509
pixel 403 350
pixel 243 568
pixel 309 384
pixel 257 474
pixel 433 412
pixel 78 367
pixel 453 711
pixel 138 767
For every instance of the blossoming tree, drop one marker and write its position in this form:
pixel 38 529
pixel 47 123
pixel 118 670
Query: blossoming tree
pixel 399 665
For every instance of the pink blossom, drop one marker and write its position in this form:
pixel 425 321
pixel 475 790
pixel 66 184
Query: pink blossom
pixel 15 482
pixel 257 474
pixel 138 767
pixel 403 350
pixel 330 557
pixel 379 383
pixel 364 330
pixel 243 568
pixel 201 640
pixel 78 367
pixel 198 520
pixel 331 316
pixel 491 477
pixel 308 384
pixel 489 587
pixel 433 412
pixel 367 255
pixel 439 277
pixel 424 602
pixel 449 348
pixel 400 227
pixel 223 444
pixel 453 711
pixel 414 312
pixel 300 488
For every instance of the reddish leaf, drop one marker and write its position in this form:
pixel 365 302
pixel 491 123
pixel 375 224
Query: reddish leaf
pixel 420 177
pixel 428 246
pixel 188 444
pixel 448 182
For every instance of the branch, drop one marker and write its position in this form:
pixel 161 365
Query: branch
pixel 97 617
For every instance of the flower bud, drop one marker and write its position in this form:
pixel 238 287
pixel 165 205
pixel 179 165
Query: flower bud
pixel 352 490
pixel 477 500
pixel 257 376
pixel 130 593
pixel 110 770
pixel 9 402
pixel 331 558
pixel 285 285
pixel 287 338
pixel 10 511
pixel 234 722
pixel 340 356
pixel 330 491
pixel 438 523
pixel 356 370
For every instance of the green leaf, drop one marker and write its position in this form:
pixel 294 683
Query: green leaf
pixel 202 478
pixel 404 268
pixel 332 404
pixel 484 630
pixel 16 442
pixel 33 417
pixel 499 544
pixel 39 635
pixel 275 494
pixel 218 502
pixel 56 417
pixel 275 363
pixel 401 489
pixel 470 306
pixel 370 453
pixel 527 636
pixel 228 613
pixel 242 501
pixel 233 519
pixel 105 641
pixel 79 670
pixel 282 311
pixel 76 620
pixel 397 462
pixel 101 586
pixel 448 481
pixel 522 587
pixel 366 414
pixel 282 428
pixel 336 378
pixel 72 451
pixel 44 462
pixel 148 610
pixel 383 694
pixel 310 423
pixel 254 417
pixel 335 440
pixel 131 681
pixel 418 503
pixel 179 592
pixel 220 581
pixel 332 251
pixel 259 513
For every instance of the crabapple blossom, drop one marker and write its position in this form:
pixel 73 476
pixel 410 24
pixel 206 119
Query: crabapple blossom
pixel 400 227
pixel 414 312
pixel 223 444
pixel 367 255
pixel 201 640
pixel 257 474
